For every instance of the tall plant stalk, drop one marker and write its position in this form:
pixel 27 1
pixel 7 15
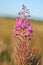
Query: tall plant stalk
pixel 25 54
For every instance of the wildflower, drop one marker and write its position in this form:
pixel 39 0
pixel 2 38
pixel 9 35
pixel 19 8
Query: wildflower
pixel 29 29
pixel 25 54
pixel 29 20
pixel 18 23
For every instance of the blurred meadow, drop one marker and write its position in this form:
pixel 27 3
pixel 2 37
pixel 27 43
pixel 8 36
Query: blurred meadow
pixel 6 33
pixel 8 13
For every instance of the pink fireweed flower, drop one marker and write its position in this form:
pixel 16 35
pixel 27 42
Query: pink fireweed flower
pixel 29 30
pixel 23 52
pixel 19 20
pixel 19 23
pixel 22 23
pixel 29 20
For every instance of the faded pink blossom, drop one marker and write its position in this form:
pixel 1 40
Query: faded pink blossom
pixel 29 29
pixel 29 20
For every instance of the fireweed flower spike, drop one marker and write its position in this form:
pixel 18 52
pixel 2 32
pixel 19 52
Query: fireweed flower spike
pixel 24 53
pixel 23 21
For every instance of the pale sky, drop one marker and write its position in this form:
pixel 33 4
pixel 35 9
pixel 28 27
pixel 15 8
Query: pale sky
pixel 12 7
